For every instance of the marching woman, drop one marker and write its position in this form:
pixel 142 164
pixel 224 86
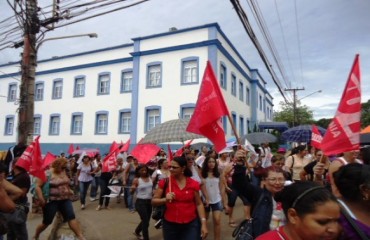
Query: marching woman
pixel 143 186
pixel 184 218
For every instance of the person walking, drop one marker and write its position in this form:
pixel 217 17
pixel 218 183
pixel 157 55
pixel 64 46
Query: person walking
pixel 85 173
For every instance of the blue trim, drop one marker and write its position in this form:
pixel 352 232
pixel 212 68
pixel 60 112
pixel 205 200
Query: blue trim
pixel 154 64
pixel 182 76
pixel 254 100
pixel 135 94
pixel 224 124
pixel 147 109
pixel 97 114
pixel 269 102
pixel 52 116
pixel 39 83
pixel 234 118
pixel 40 117
pixel 241 126
pixel 57 80
pixel 120 112
pixel 79 77
pixel 223 80
pixel 74 115
pixel 10 86
pixel 247 95
pixel 233 82
pixel 7 120
pixel 241 90
pixel 126 70
pixel 103 74
pixel 185 106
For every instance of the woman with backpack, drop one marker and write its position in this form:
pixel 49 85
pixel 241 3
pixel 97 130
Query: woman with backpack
pixel 295 163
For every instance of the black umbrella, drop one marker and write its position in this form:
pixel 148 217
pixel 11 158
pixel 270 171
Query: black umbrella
pixel 301 133
pixel 259 137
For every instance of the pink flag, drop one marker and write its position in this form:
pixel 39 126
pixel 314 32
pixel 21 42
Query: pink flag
pixel 343 133
pixel 316 137
pixel 209 109
pixel 48 159
pixel 71 149
pixel 126 146
pixel 144 152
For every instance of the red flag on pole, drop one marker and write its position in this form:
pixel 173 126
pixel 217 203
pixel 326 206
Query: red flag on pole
pixel 126 146
pixel 144 152
pixel 48 159
pixel 71 149
pixel 170 154
pixel 316 137
pixel 209 109
pixel 113 146
pixel 343 133
pixel 181 150
pixel 109 162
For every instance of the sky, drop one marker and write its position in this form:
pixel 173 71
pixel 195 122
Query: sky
pixel 316 40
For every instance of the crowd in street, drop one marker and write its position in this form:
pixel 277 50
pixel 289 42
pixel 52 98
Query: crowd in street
pixel 296 194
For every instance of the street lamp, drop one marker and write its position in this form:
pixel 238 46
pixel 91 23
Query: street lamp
pixel 294 110
pixel 90 35
pixel 318 91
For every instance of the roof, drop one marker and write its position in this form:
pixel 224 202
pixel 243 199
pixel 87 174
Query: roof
pixel 280 126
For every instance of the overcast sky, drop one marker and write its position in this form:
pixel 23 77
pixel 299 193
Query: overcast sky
pixel 316 40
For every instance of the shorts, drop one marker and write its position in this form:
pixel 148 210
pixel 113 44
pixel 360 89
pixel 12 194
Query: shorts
pixel 234 194
pixel 65 207
pixel 214 207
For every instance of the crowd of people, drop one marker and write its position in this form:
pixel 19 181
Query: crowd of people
pixel 299 194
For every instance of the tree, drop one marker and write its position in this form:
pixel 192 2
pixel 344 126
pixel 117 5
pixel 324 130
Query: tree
pixel 303 114
pixel 323 122
pixel 365 114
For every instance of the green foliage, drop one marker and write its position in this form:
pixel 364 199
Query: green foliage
pixel 303 114
pixel 323 122
pixel 365 114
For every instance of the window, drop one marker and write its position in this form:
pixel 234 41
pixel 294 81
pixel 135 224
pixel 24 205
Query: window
pixel 233 116
pixel 124 121
pixel 241 91
pixel 37 125
pixel 54 125
pixel 248 126
pixel 241 126
pixel 224 123
pixel 154 75
pixel 79 90
pixel 223 76
pixel 103 83
pixel 57 89
pixel 12 92
pixel 126 81
pixel 187 113
pixel 189 71
pixel 268 112
pixel 9 125
pixel 233 85
pixel 101 123
pixel 152 118
pixel 248 96
pixel 39 91
pixel 76 128
pixel 260 103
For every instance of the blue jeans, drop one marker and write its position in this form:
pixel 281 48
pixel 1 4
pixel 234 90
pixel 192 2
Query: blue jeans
pixel 144 208
pixel 94 187
pixel 83 191
pixel 17 231
pixel 187 231
pixel 130 198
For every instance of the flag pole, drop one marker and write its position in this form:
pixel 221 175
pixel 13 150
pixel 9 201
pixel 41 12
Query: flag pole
pixel 234 128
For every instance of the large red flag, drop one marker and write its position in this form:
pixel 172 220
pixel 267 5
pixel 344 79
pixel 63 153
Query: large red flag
pixel 209 109
pixel 109 161
pixel 343 133
pixel 71 149
pixel 316 137
pixel 170 154
pixel 144 152
pixel 126 146
pixel 36 166
pixel 48 159
pixel 113 146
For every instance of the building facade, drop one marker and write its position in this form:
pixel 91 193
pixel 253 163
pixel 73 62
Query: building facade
pixel 114 94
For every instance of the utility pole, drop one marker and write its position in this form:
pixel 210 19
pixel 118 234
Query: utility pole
pixel 28 68
pixel 294 90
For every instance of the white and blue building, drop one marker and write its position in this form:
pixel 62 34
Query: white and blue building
pixel 118 93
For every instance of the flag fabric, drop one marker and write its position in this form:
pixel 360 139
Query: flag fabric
pixel 210 107
pixel 71 149
pixel 316 137
pixel 144 152
pixel 77 148
pixel 48 159
pixel 181 150
pixel 126 146
pixel 113 146
pixel 109 161
pixel 343 133
pixel 170 154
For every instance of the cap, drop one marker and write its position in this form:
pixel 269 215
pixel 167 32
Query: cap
pixel 281 150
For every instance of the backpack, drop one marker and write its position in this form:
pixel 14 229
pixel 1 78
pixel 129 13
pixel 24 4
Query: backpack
pixel 45 189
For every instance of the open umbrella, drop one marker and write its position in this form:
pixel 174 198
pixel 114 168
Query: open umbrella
pixel 259 137
pixel 301 133
pixel 170 131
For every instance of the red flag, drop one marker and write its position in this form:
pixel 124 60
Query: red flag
pixel 126 146
pixel 209 109
pixel 181 150
pixel 48 159
pixel 144 152
pixel 113 146
pixel 78 147
pixel 170 154
pixel 71 149
pixel 109 162
pixel 343 133
pixel 316 137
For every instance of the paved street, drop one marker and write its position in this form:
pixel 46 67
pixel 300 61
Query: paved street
pixel 118 223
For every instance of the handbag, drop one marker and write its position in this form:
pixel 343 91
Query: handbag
pixel 158 211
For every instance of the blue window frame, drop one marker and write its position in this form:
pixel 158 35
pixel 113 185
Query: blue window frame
pixel 126 80
pixel 187 110
pixel 79 86
pixel 124 121
pixel 260 103
pixel 248 96
pixel 39 91
pixel 57 88
pixel 233 116
pixel 54 126
pixel 223 74
pixel 37 124
pixel 190 70
pixel 241 126
pixel 12 92
pixel 233 84
pixel 154 75
pixel 101 123
pixel 77 123
pixel 152 117
pixel 224 123
pixel 103 83
pixel 241 91
pixel 9 125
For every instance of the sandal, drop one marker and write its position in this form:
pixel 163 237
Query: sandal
pixel 233 224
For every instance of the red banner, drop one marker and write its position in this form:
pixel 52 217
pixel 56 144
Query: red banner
pixel 343 133
pixel 71 149
pixel 109 162
pixel 126 146
pixel 145 152
pixel 316 137
pixel 48 159
pixel 210 107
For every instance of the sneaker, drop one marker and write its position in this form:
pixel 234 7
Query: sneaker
pixel 98 208
pixel 82 206
pixel 92 199
pixel 138 236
